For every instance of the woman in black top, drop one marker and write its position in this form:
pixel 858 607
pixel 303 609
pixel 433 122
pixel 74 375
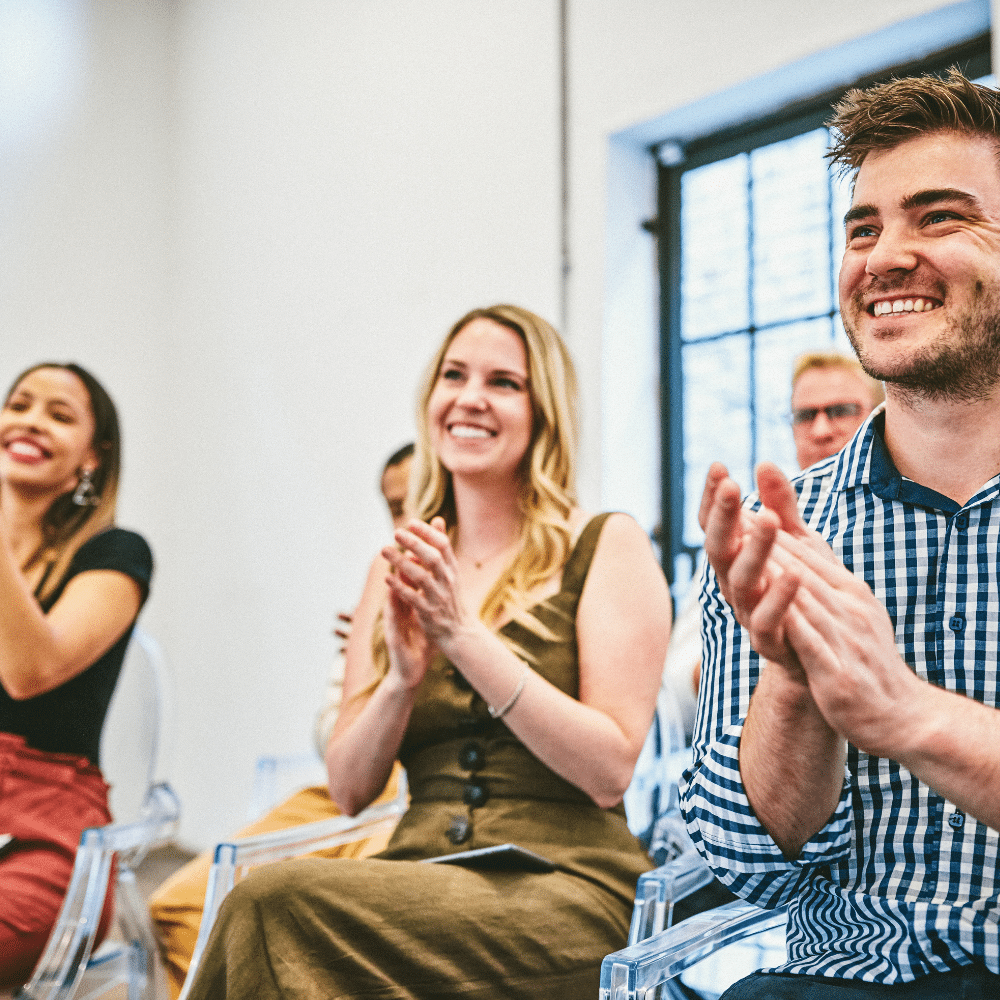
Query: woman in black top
pixel 71 586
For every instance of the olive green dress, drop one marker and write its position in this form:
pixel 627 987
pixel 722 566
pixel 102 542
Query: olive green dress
pixel 391 927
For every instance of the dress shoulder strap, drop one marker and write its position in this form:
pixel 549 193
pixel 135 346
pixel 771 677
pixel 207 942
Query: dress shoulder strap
pixel 578 564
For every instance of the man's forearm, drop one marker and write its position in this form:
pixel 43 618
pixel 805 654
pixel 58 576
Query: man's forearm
pixel 951 745
pixel 791 761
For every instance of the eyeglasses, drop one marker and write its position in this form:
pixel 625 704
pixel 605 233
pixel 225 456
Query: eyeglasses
pixel 837 411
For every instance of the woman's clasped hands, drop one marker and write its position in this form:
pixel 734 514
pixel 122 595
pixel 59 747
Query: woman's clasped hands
pixel 425 609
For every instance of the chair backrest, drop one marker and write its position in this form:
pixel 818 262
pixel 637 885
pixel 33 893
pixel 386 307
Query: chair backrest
pixel 234 858
pixel 276 777
pixel 134 744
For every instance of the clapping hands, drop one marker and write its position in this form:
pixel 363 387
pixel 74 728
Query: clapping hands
pixel 804 611
pixel 424 609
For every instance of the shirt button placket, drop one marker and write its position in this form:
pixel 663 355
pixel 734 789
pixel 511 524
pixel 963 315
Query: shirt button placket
pixel 472 756
pixel 475 794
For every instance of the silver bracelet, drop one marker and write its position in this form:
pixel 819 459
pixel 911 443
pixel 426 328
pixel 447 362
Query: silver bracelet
pixel 499 713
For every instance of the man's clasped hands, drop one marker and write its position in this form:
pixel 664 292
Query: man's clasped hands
pixel 814 621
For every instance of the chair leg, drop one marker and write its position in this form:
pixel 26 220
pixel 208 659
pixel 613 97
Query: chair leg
pixel 139 978
pixel 133 920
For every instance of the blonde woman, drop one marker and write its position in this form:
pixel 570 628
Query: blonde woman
pixel 507 649
pixel 71 586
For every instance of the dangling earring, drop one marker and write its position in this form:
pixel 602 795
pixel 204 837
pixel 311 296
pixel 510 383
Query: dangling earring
pixel 85 495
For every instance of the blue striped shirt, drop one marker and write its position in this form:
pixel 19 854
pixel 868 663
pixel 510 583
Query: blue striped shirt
pixel 899 883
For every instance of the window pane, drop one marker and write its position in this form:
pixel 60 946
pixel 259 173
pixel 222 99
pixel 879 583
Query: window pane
pixel 716 419
pixel 791 228
pixel 714 248
pixel 841 342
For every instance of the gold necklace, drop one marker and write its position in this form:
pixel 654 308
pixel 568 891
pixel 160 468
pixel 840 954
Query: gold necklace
pixel 480 563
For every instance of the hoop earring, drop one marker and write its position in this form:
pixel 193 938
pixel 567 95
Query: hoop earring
pixel 85 494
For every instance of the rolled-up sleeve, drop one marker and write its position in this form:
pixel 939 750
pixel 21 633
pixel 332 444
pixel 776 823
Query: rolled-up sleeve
pixel 719 817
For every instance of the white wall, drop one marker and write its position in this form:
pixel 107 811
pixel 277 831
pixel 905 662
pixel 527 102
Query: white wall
pixel 254 221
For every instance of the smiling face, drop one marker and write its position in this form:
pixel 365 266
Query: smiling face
pixel 920 279
pixel 480 412
pixel 46 433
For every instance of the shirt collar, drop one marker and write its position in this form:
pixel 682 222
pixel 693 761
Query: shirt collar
pixel 865 461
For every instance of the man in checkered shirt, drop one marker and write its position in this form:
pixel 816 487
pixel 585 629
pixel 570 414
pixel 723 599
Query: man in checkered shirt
pixel 847 743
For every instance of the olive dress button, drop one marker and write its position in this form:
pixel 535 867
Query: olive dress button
pixel 475 794
pixel 459 830
pixel 471 757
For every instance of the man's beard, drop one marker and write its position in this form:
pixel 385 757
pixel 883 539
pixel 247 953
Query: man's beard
pixel 962 365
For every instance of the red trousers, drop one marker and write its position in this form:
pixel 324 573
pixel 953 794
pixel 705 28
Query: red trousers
pixel 46 801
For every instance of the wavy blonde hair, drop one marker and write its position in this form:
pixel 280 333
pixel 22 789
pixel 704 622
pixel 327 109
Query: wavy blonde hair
pixel 65 525
pixel 548 482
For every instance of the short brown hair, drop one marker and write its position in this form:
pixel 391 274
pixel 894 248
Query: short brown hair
pixel 887 114
pixel 832 359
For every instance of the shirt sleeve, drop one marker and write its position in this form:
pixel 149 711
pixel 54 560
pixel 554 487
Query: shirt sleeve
pixel 117 549
pixel 719 817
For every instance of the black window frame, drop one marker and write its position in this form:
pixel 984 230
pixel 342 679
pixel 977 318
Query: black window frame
pixel 973 57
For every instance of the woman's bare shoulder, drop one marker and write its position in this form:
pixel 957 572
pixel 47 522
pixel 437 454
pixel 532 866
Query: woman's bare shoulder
pixel 618 528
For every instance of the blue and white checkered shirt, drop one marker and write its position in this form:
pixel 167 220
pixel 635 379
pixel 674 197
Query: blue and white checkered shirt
pixel 899 883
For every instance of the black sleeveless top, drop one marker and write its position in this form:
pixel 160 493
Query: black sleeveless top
pixel 69 718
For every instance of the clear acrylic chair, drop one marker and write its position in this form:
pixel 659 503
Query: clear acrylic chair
pixel 276 777
pixel 133 751
pixel 233 859
pixel 651 805
pixel 659 953
pixel 651 798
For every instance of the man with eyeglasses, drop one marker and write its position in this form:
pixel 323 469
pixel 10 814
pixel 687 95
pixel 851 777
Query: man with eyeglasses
pixel 831 398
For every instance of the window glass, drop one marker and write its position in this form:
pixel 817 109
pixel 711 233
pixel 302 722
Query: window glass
pixel 759 232
pixel 714 256
pixel 716 418
pixel 791 229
